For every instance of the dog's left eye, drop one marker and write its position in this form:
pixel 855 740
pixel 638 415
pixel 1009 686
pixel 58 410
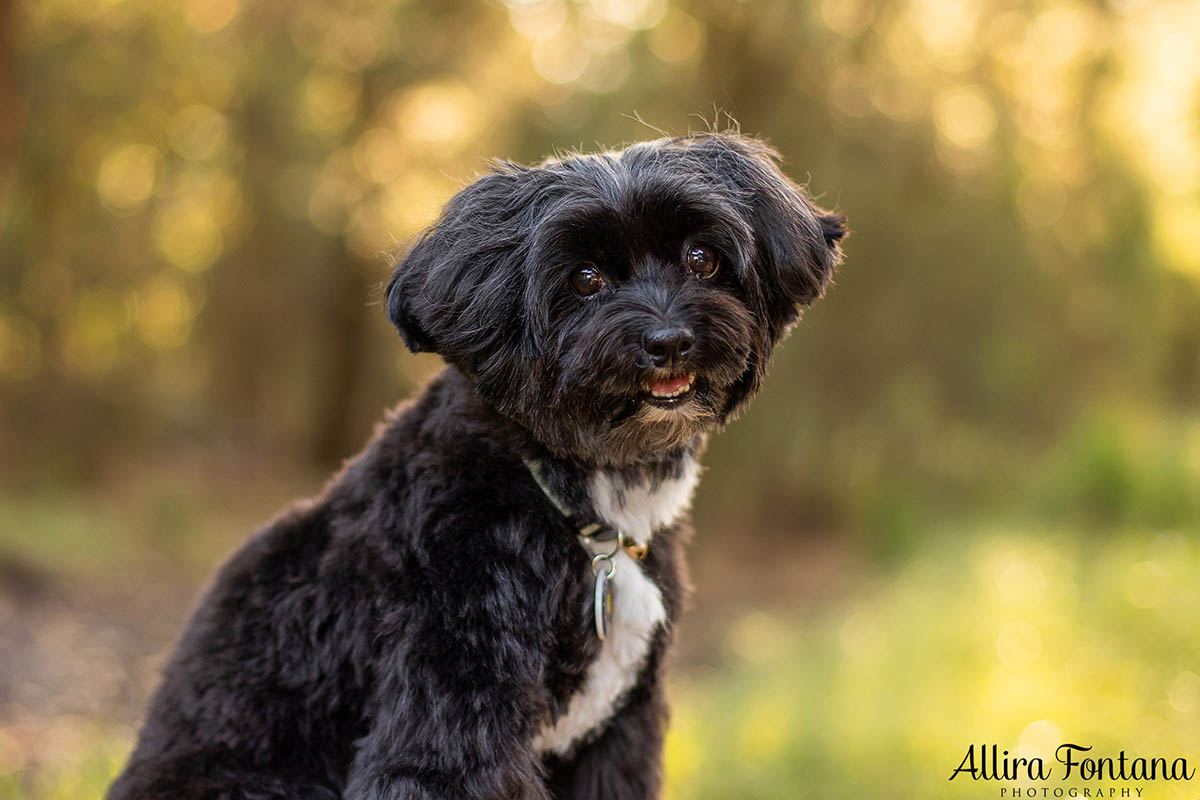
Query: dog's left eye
pixel 702 262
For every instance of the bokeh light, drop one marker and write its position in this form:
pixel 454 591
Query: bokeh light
pixel 127 177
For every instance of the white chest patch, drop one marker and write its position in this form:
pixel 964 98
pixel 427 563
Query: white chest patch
pixel 637 608
pixel 640 509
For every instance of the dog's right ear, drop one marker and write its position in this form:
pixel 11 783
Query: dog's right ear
pixel 400 312
pixel 456 291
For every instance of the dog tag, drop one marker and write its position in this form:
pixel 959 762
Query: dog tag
pixel 605 590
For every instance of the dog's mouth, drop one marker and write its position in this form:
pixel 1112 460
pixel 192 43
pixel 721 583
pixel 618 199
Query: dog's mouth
pixel 669 392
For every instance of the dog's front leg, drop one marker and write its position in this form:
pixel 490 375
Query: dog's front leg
pixel 458 692
pixel 449 730
pixel 625 761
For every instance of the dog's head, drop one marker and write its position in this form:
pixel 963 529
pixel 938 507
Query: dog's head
pixel 619 304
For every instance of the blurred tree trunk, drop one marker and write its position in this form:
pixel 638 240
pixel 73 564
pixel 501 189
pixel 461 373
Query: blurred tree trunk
pixel 12 106
pixel 341 357
pixel 250 299
pixel 341 353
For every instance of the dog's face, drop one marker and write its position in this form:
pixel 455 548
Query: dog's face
pixel 617 305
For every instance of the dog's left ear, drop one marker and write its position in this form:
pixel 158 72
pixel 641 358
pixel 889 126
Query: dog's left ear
pixel 798 242
pixel 833 228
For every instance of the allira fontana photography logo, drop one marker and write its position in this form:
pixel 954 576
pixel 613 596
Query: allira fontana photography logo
pixel 1075 768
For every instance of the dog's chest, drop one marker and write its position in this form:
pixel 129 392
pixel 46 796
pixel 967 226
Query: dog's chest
pixel 638 510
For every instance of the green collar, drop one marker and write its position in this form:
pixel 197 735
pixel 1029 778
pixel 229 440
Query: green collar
pixel 596 531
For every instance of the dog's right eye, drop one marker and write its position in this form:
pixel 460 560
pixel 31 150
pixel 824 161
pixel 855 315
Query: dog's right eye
pixel 587 281
pixel 702 262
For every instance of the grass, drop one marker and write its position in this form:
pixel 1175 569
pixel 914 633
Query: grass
pixel 1025 636
pixel 83 758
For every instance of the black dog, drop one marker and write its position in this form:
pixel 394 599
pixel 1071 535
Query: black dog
pixel 479 604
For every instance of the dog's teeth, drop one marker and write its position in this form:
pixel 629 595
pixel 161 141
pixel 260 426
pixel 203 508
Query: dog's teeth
pixel 682 390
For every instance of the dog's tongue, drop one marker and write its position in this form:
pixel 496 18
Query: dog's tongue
pixel 671 385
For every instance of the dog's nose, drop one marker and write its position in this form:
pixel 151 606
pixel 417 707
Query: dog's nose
pixel 668 346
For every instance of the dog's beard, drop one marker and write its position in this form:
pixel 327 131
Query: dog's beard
pixel 650 428
pixel 610 417
pixel 620 431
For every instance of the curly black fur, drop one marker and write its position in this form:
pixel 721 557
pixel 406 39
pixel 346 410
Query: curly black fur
pixel 409 632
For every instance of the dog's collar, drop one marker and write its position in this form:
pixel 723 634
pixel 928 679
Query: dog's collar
pixel 596 530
